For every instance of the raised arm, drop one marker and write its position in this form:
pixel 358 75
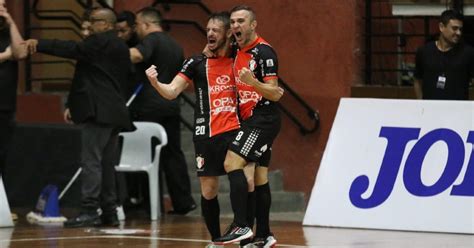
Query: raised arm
pixel 168 91
pixel 268 89
pixel 6 55
pixel 18 48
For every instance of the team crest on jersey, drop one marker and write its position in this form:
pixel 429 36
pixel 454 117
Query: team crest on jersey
pixel 252 65
pixel 199 162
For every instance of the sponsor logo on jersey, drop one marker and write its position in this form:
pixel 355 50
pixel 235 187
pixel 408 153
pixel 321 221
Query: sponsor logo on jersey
pixel 270 74
pixel 201 103
pixel 270 63
pixel 223 109
pixel 261 151
pixel 249 96
pixel 186 65
pixel 220 88
pixel 223 104
pixel 224 101
pixel 223 79
pixel 200 120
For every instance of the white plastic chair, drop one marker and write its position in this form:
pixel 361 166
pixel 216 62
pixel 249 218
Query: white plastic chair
pixel 137 156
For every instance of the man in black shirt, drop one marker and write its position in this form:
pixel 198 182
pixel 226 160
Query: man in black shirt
pixel 158 48
pixel 96 103
pixel 445 67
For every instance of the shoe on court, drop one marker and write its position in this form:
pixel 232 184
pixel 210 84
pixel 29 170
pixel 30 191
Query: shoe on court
pixel 84 220
pixel 267 242
pixel 233 234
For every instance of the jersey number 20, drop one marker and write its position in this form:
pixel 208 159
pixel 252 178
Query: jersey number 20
pixel 200 130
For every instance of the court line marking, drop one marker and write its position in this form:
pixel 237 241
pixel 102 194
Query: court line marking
pixel 122 237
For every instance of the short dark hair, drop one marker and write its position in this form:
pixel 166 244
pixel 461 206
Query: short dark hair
pixel 253 16
pixel 223 16
pixel 87 14
pixel 450 14
pixel 151 14
pixel 126 16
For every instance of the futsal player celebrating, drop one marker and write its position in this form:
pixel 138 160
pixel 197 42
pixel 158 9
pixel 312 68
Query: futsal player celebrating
pixel 255 70
pixel 215 113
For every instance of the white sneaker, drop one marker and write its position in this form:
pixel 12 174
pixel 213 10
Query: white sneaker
pixel 120 213
pixel 268 242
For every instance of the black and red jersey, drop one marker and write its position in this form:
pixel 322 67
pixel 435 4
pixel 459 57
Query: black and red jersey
pixel 216 99
pixel 262 60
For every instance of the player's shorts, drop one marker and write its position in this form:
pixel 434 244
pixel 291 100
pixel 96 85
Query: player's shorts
pixel 254 140
pixel 210 154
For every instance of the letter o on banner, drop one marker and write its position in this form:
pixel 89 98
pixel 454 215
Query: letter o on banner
pixel 414 162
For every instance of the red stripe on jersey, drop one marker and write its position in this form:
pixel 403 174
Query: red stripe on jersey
pixel 222 96
pixel 184 77
pixel 270 78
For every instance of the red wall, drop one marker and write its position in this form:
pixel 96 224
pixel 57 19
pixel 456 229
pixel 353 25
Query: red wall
pixel 319 46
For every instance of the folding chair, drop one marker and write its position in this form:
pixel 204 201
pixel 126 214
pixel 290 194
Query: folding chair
pixel 137 155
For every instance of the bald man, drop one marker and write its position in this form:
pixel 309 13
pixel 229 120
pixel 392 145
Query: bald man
pixel 96 104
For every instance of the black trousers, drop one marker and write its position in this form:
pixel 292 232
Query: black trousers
pixel 7 127
pixel 172 160
pixel 99 155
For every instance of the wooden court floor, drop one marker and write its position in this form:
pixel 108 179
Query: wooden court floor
pixel 187 231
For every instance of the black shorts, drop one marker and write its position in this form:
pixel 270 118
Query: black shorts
pixel 254 140
pixel 210 154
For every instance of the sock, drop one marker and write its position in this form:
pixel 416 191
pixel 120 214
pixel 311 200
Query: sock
pixel 238 196
pixel 210 212
pixel 251 209
pixel 262 214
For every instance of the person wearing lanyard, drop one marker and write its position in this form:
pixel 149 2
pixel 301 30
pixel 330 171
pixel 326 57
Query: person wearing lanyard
pixel 445 67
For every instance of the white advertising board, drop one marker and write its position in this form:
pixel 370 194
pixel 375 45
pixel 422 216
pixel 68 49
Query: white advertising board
pixel 398 165
pixel 5 215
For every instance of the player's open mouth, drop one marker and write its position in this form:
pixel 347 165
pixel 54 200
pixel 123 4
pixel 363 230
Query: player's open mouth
pixel 211 41
pixel 238 34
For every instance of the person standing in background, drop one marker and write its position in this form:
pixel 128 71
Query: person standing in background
pixel 10 51
pixel 125 27
pixel 445 67
pixel 158 48
pixel 96 103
